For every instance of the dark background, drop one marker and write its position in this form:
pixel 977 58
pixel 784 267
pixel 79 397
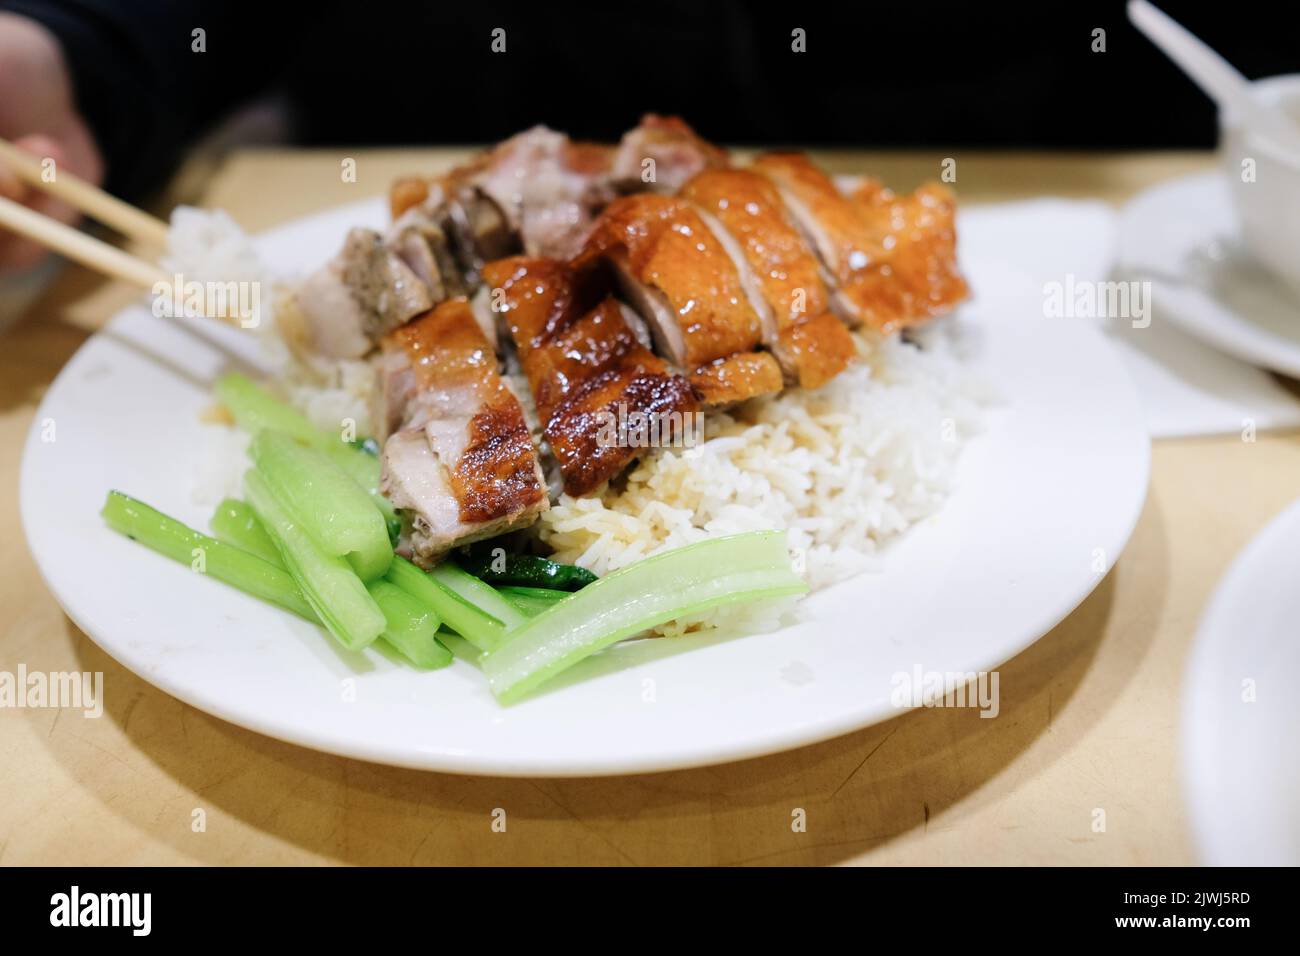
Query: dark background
pixel 874 74
pixel 356 72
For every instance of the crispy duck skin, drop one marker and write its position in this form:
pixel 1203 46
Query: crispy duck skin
pixel 735 378
pixel 462 463
pixel 918 278
pixel 830 222
pixel 585 365
pixel 892 261
pixel 811 346
pixel 407 192
pixel 684 284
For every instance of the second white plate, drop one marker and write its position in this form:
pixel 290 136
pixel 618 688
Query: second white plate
pixel 1241 716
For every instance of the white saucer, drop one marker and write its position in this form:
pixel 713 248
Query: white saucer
pixel 1240 714
pixel 1183 237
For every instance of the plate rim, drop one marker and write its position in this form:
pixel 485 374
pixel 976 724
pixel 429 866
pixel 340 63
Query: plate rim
pixel 1213 829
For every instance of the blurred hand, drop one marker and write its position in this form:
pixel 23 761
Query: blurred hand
pixel 37 114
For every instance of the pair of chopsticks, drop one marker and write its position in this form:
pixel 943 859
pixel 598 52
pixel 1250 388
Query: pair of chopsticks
pixel 93 202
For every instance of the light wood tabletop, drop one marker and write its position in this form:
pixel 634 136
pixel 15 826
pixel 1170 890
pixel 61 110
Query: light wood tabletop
pixel 1089 714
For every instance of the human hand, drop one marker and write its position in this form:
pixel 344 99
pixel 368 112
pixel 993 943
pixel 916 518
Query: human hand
pixel 37 113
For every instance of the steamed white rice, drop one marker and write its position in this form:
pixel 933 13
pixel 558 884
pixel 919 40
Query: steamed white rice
pixel 843 470
pixel 207 244
pixel 333 395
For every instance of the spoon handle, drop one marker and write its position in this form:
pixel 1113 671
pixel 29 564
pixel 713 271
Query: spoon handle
pixel 1216 76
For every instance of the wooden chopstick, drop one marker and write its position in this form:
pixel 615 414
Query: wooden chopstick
pixel 79 246
pixel 81 195
pixel 108 260
pixel 86 249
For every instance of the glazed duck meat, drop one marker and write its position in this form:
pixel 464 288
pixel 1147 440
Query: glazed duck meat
pixel 423 245
pixel 918 277
pixel 536 192
pixel 362 293
pixel 462 225
pixel 868 242
pixel 587 367
pixel 666 202
pixel 661 154
pixel 830 223
pixel 548 187
pixel 460 462
pixel 656 281
pixel 781 275
pixel 544 189
pixel 676 273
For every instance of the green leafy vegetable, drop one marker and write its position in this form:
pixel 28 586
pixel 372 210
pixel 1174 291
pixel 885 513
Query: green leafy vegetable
pixel 225 562
pixel 326 503
pixel 742 567
pixel 544 594
pixel 474 592
pixel 328 582
pixel 410 626
pixel 459 647
pixel 495 566
pixel 531 601
pixel 234 522
pixel 457 612
pixel 255 410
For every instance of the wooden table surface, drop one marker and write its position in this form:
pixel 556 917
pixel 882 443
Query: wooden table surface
pixel 1089 716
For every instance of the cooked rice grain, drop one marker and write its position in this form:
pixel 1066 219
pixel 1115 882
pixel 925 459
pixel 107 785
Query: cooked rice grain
pixel 843 469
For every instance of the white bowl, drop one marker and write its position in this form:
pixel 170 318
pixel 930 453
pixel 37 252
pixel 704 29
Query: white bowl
pixel 1265 184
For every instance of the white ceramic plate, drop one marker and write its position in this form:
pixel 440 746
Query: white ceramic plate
pixel 1056 483
pixel 1241 716
pixel 1182 236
